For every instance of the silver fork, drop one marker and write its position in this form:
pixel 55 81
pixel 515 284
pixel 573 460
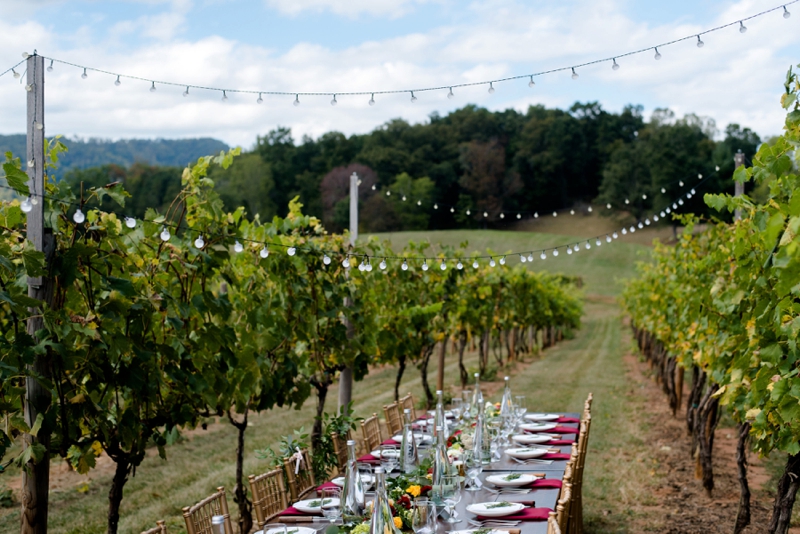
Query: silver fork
pixel 521 491
pixel 493 523
pixel 533 461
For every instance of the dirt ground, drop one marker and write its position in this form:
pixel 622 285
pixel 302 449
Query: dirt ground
pixel 685 507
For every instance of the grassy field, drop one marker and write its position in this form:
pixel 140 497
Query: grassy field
pixel 559 380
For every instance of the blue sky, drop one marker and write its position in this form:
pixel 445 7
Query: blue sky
pixel 363 45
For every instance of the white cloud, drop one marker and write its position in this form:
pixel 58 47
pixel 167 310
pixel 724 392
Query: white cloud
pixel 734 78
pixel 346 8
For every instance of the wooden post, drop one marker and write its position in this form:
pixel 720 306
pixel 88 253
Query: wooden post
pixel 440 371
pixel 346 375
pixel 36 476
pixel 738 190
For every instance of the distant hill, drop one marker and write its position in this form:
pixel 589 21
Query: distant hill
pixel 84 153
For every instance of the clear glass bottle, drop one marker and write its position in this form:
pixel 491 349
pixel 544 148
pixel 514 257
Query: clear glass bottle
pixel 439 419
pixel 353 499
pixel 507 403
pixel 218 524
pixel 482 440
pixel 381 521
pixel 441 463
pixel 477 397
pixel 409 460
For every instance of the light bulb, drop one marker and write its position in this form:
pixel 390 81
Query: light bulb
pixel 485 214
pixel 325 259
pixel 555 252
pixel 153 87
pixel 699 176
pixel 663 190
pixel 522 258
pixel 361 266
pixel 503 260
pixel 369 266
pixel 589 209
pixel 574 74
pixel 657 56
pixel 536 215
pixel 424 265
pixel 688 195
pixel 38 125
pixel 647 222
pixel 382 265
pixel 644 197
pixel 237 247
pixel 16 74
pixel 468 212
pixel 569 250
pixel 576 248
pixel 555 214
pixel 615 66
pixel 34 201
pixel 655 218
pixel 296 100
pixel 668 210
pixel 693 191
pixel 84 75
pixel 31 163
pixel 26 205
pixel 78 216
pixel 662 214
pixel 404 266
pixel 413 98
pixel 165 234
pixel 291 251
pixel 491 88
pixel 786 13
pixel 615 235
pixel 224 96
pixel 373 187
pixel 50 67
pixel 443 265
pixel 502 216
pixel 519 215
pixel 259 100
pixel 28 87
pixel 334 101
pixel 531 83
pixel 716 168
pixel 117 82
pixel 530 257
pixel 186 92
pixel 346 263
pixel 264 252
pixel 680 201
pixel 608 239
pixel 627 201
pixel 436 206
pixel 680 183
pixel 624 231
pixel 404 198
pixel 700 42
pixel 388 193
pixel 587 245
pixel 459 265
pixel 742 27
pixel 452 210
pixel 199 242
pixel 674 206
pixel 632 230
pixel 543 255
pixel 492 263
pixel 419 203
pixel 572 212
pixel 608 206
pixel 640 225
pixel 371 100
pixel 597 242
pixel 450 95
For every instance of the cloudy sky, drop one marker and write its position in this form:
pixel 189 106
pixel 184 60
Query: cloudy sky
pixel 336 46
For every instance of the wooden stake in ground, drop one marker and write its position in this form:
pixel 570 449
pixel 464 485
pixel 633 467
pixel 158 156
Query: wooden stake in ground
pixel 346 374
pixel 36 475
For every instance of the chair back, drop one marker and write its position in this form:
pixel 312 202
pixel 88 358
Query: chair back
pixel 302 482
pixel 407 403
pixel 552 524
pixel 563 507
pixel 394 418
pixel 340 449
pixel 198 517
pixel 269 495
pixel 371 431
pixel 160 528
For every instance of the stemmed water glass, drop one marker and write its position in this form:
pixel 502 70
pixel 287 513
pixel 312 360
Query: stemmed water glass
pixel 451 495
pixel 456 406
pixel 389 457
pixel 331 505
pixel 474 467
pixel 367 478
pixel 423 515
pixel 521 407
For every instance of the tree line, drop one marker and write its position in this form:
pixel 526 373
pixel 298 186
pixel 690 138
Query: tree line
pixel 472 158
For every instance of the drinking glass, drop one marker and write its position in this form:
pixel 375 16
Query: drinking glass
pixel 451 495
pixel 331 505
pixel 423 516
pixel 474 467
pixel 466 396
pixel 367 478
pixel 522 407
pixel 455 406
pixel 390 457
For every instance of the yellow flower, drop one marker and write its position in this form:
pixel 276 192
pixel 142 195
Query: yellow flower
pixel 398 522
pixel 414 490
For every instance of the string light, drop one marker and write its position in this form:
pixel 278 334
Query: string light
pixel 786 13
pixel 503 260
pixel 199 242
pixel 259 100
pixel 237 247
pixel 597 242
pixel 382 265
pixel 371 100
pixel 522 258
pixel 224 96
pixel 117 82
pixel 532 83
pixel 436 206
pixel 346 263
pixel 291 251
pixel 424 265
pixel 84 75
pixel 459 265
pixel 615 66
pixel 296 100
pixel 543 255
pixel 50 67
pixel 742 27
pixel 264 253
pixel 574 74
pixel 78 216
pixel 608 239
pixel 615 235
pixel 450 95
pixel 413 97
pixel 530 257
pixel 491 88
pixel 700 42
pixel 492 263
pixel 164 233
pixel 186 92
pixel 442 265
pixel 26 205
pixel 334 101
pixel 475 264
pixel 153 87
pixel 657 55
pixel 569 251
pixel 404 266
pixel 555 252
pixel 15 74
pixel 588 246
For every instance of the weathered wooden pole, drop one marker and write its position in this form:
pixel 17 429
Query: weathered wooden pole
pixel 346 375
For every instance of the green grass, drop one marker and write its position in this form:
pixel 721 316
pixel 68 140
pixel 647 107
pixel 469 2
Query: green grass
pixel 600 267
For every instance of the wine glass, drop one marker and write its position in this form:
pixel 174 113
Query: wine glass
pixel 331 504
pixel 455 406
pixel 522 407
pixel 466 396
pixel 451 495
pixel 423 515
pixel 389 457
pixel 474 467
pixel 367 478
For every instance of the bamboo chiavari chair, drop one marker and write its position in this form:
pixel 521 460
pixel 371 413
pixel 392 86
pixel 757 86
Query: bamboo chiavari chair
pixel 394 418
pixel 552 524
pixel 407 403
pixel 340 449
pixel 371 431
pixel 563 507
pixel 198 517
pixel 160 528
pixel 583 441
pixel 269 495
pixel 301 483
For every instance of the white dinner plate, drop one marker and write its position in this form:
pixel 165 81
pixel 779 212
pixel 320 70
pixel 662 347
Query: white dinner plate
pixel 306 507
pixel 542 416
pixel 418 436
pixel 538 427
pixel 390 453
pixel 289 530
pixel 526 453
pixel 502 480
pixel 365 479
pixel 482 510
pixel 530 439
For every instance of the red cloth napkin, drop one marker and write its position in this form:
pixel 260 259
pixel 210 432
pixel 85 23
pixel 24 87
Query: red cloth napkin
pixel 560 442
pixel 528 514
pixel 425 416
pixel 544 483
pixel 390 442
pixel 369 459
pixel 565 419
pixel 327 485
pixel 294 511
pixel 555 456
